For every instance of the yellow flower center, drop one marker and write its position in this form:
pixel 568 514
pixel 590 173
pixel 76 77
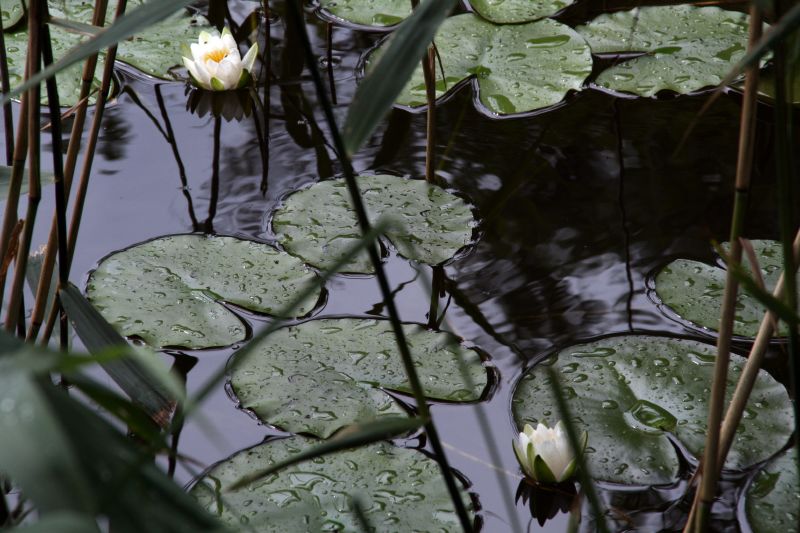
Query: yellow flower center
pixel 216 55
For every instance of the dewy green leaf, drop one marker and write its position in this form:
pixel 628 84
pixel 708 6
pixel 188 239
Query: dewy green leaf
pixel 13 11
pixel 325 374
pixel 515 11
pixel 515 68
pixel 371 13
pixel 686 48
pixel 693 290
pixel 168 291
pixel 772 497
pixel 400 490
pixel 629 392
pixel 318 224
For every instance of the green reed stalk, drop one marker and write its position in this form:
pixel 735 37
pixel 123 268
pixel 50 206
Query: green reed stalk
pixel 708 480
pixel 88 159
pixel 8 115
pixel 34 187
pixel 56 238
pixel 296 17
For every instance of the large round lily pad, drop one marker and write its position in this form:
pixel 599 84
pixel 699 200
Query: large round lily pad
pixel 400 490
pixel 324 374
pixel 774 496
pixel 515 68
pixel 168 291
pixel 319 225
pixel 685 48
pixel 693 290
pixel 514 11
pixel 630 392
pixel 373 13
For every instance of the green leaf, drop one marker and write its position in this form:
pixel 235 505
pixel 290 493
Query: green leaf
pixel 516 68
pixel 515 11
pixel 321 375
pixel 5 181
pixel 693 290
pixel 61 522
pixel 168 291
pixel 400 489
pixel 427 224
pixel 772 497
pixel 632 394
pixel 403 52
pixel 13 12
pixel 370 13
pixel 686 48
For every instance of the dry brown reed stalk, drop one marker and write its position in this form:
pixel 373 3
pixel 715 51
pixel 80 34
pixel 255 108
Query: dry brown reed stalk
pixel 701 508
pixel 73 148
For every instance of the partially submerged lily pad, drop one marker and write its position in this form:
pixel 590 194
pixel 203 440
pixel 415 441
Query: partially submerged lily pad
pixel 685 48
pixel 319 225
pixel 773 496
pixel 373 13
pixel 514 11
pixel 399 490
pixel 12 12
pixel 693 290
pixel 630 392
pixel 324 374
pixel 515 68
pixel 168 291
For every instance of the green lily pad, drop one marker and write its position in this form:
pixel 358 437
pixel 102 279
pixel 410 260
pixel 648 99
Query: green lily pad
pixel 772 498
pixel 514 11
pixel 515 68
pixel 399 490
pixel 324 374
pixel 12 12
pixel 693 290
pixel 373 13
pixel 168 291
pixel 687 48
pixel 319 225
pixel 630 392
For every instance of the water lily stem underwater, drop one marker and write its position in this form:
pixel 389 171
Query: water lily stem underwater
pixel 296 17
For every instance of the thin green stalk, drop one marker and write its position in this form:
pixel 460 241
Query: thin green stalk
pixel 708 480
pixel 8 116
pixel 296 16
pixel 54 241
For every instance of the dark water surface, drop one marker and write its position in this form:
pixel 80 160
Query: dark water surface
pixel 577 206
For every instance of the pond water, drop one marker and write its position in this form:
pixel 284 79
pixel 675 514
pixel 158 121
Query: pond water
pixel 577 207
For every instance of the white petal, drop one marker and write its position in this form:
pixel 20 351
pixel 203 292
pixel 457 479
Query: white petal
pixel 203 76
pixel 229 73
pixel 228 42
pixel 198 51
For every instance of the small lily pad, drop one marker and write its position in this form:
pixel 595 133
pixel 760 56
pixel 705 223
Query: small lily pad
pixel 630 393
pixel 324 374
pixel 372 13
pixel 773 496
pixel 685 48
pixel 515 11
pixel 319 225
pixel 693 290
pixel 399 490
pixel 168 291
pixel 515 68
pixel 12 11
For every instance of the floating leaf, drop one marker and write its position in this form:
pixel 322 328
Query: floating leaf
pixel 514 11
pixel 693 290
pixel 374 13
pixel 515 68
pixel 319 225
pixel 13 11
pixel 773 496
pixel 686 48
pixel 399 490
pixel 324 374
pixel 630 392
pixel 167 291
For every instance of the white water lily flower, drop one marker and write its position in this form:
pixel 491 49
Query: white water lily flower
pixel 216 65
pixel 545 454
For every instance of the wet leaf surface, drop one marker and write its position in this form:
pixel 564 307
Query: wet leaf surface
pixel 514 11
pixel 318 224
pixel 773 496
pixel 375 13
pixel 12 11
pixel 517 68
pixel 630 392
pixel 167 291
pixel 324 374
pixel 686 48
